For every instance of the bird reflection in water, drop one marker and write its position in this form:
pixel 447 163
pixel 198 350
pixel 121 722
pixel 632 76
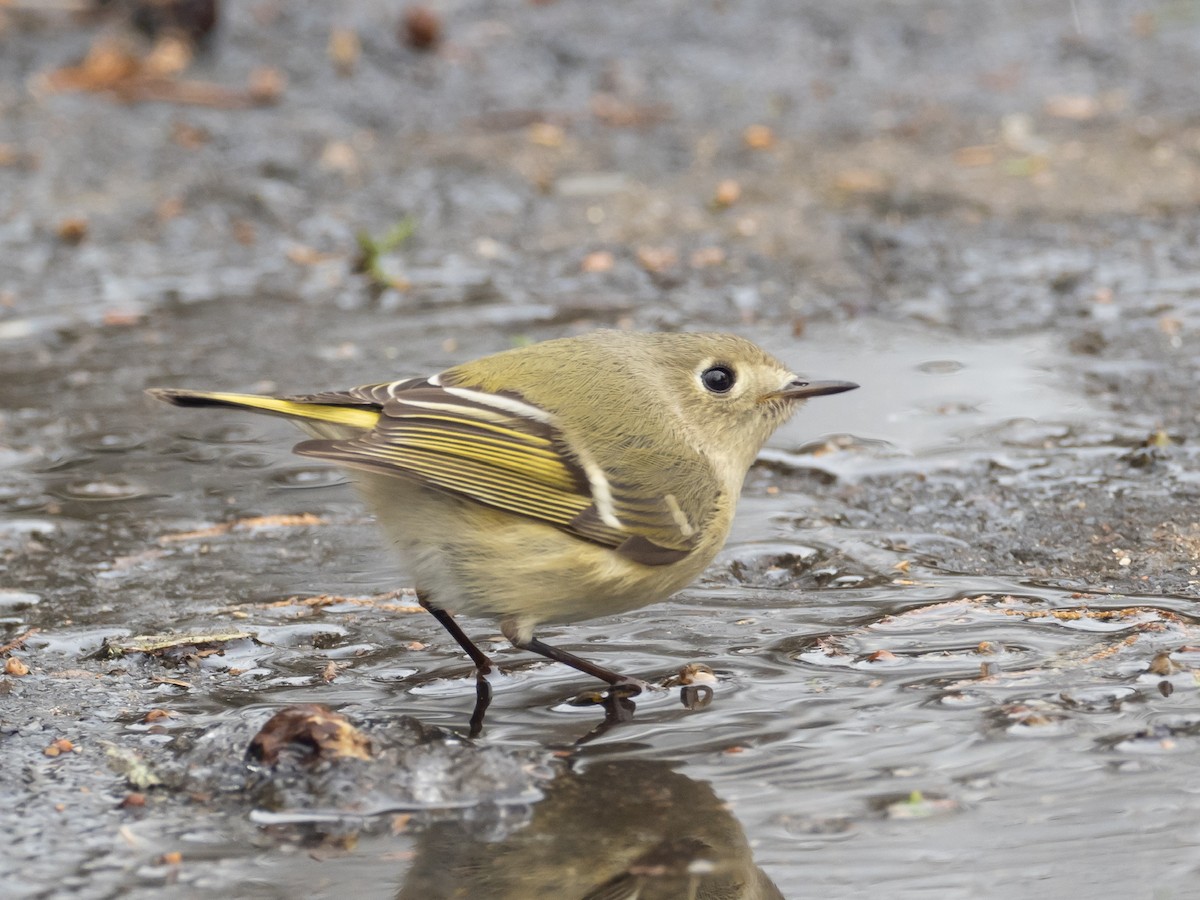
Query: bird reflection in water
pixel 629 829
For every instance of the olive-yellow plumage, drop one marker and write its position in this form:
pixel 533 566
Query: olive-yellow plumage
pixel 565 480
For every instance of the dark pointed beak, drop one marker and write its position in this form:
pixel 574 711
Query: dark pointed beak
pixel 799 389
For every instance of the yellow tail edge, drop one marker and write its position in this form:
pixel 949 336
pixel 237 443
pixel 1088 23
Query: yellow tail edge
pixel 349 416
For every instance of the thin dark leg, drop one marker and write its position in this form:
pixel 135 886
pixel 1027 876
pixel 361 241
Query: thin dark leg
pixel 628 686
pixel 483 699
pixel 483 663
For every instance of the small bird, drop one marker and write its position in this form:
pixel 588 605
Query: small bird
pixel 566 480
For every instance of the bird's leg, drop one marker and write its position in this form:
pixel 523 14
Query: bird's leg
pixel 483 699
pixel 483 663
pixel 622 684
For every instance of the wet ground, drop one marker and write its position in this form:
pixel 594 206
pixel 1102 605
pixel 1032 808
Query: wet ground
pixel 954 629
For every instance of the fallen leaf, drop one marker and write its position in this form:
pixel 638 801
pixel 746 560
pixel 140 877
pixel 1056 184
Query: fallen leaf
pixel 155 644
pixel 728 192
pixel 1073 107
pixel 253 523
pixel 657 259
pixel 707 257
pixel 617 113
pixel 344 50
pixel 72 230
pixel 314 730
pixel 758 137
pixel 973 157
pixel 59 747
pixel 546 134
pixel 421 28
pixel 861 181
pixel 598 261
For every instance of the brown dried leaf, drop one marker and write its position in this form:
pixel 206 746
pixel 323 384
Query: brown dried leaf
pixel 72 230
pixel 657 259
pixel 344 50
pixel 758 137
pixel 861 181
pixel 421 28
pixel 379 602
pixel 188 136
pixel 59 747
pixel 175 682
pixel 974 157
pixel 169 57
pixel 155 644
pixel 111 66
pixel 707 257
pixel 1073 107
pixel 314 730
pixel 107 64
pixel 546 134
pixel 253 523
pixel 598 261
pixel 17 642
pixel 618 113
pixel 340 156
pixel 266 85
pixel 728 192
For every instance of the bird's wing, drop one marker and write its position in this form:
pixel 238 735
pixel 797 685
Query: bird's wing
pixel 367 395
pixel 503 452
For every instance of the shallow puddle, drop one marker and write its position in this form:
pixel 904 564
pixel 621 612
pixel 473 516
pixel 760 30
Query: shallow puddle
pixel 879 721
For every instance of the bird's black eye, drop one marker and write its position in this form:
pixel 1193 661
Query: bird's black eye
pixel 718 379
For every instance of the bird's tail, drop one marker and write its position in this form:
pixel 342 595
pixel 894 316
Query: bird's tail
pixel 310 416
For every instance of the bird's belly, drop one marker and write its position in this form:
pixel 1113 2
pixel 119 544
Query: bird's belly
pixel 471 559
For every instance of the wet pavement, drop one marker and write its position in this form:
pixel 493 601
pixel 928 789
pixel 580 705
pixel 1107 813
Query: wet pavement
pixel 954 630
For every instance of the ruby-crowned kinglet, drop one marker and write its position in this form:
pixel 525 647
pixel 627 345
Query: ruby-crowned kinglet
pixel 571 479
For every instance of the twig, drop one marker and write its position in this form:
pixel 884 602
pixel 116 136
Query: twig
pixel 18 642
